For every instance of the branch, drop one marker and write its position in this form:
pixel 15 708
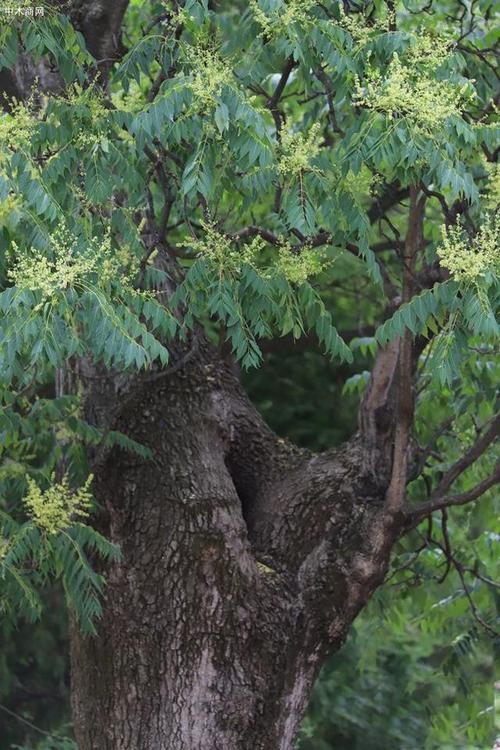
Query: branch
pixel 405 408
pixel 254 231
pixel 273 101
pixel 100 25
pixel 390 289
pixel 376 413
pixel 386 410
pixel 487 436
pixel 417 513
pixel 391 197
pixel 325 80
pixel 451 560
pixel 439 499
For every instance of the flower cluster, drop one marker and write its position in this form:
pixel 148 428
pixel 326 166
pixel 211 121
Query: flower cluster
pixel 358 27
pixel 280 19
pixel 492 190
pixel 4 547
pixel 219 248
pixel 90 115
pixel 53 509
pixel 132 100
pixel 209 74
pixel 428 51
pixel 16 127
pixel 65 266
pixel 468 260
pixel 414 92
pixel 8 209
pixel 297 267
pixel 63 269
pixel 297 151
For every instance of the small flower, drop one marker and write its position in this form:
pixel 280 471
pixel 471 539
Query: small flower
pixel 278 21
pixel 64 265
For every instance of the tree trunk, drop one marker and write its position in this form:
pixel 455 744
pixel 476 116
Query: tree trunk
pixel 197 648
pixel 244 561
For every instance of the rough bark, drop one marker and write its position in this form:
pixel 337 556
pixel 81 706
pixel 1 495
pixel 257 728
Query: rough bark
pixel 245 560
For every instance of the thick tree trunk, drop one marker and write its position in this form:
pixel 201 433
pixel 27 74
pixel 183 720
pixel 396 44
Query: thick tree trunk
pixel 244 562
pixel 198 647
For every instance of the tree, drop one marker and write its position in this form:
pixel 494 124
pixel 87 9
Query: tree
pixel 176 195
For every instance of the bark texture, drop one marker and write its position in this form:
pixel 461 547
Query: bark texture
pixel 245 560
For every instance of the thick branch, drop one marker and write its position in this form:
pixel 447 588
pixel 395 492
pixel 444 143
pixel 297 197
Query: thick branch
pixel 100 23
pixel 397 486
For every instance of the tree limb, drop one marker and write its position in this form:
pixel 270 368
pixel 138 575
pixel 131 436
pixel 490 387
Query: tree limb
pixel 417 513
pixel 488 435
pixel 405 408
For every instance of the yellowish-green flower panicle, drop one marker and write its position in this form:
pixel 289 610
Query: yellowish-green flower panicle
pixel 468 260
pixel 16 128
pixel 298 150
pixel 411 88
pixel 209 74
pixel 55 508
pixel 280 20
pixel 297 267
pixel 36 272
pixel 131 100
pixel 359 28
pixel 65 267
pixel 8 209
pixel 92 119
pixel 491 193
pixel 220 249
pixel 4 547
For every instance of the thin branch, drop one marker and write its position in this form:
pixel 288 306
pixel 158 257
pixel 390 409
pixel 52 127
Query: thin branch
pixel 391 197
pixel 447 544
pixel 487 436
pixel 417 513
pixel 28 723
pixel 254 231
pixel 273 101
pixel 428 450
pixel 482 578
pixel 448 214
pixel 325 80
pixel 452 561
pixel 458 567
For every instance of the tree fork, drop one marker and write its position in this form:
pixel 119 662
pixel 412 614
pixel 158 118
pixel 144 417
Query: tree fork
pixel 220 613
